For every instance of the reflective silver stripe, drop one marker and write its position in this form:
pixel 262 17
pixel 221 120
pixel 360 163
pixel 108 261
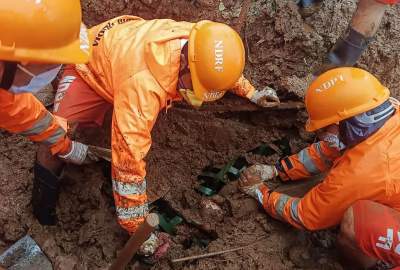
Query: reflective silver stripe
pixel 39 126
pixel 308 163
pixel 260 196
pixel 132 212
pixel 280 205
pixel 125 189
pixel 60 132
pixel 326 160
pixel 294 210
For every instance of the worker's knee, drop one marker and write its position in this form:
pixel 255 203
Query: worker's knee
pixel 356 234
pixel 49 161
pixel 347 227
pixel 348 223
pixel 368 227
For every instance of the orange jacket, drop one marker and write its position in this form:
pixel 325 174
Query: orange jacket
pixel 369 170
pixel 135 65
pixel 25 115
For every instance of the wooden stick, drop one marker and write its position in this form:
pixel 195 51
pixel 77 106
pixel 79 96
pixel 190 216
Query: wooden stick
pixel 211 254
pixel 101 152
pixel 134 243
pixel 291 105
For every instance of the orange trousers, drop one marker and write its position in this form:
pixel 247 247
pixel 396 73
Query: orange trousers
pixel 77 102
pixel 377 230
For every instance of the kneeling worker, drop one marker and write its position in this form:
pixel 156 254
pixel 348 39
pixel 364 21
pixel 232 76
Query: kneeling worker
pixel 138 68
pixel 359 128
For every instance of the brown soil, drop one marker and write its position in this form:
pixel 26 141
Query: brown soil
pixel 282 50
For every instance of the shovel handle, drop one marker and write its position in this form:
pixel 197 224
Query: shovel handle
pixel 134 243
pixel 101 152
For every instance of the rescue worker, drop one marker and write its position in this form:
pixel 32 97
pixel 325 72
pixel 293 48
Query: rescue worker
pixel 139 67
pixel 361 31
pixel 359 130
pixel 36 36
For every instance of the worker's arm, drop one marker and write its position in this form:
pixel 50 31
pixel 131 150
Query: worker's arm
pixel 352 44
pixel 243 88
pixel 313 160
pixel 23 114
pixel 266 97
pixel 322 207
pixel 136 108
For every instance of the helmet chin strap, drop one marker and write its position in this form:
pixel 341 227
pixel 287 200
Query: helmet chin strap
pixel 187 94
pixel 10 68
pixel 190 97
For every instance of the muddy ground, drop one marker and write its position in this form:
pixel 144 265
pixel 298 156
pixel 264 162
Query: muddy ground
pixel 282 49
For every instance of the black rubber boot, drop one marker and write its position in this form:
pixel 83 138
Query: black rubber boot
pixel 45 192
pixel 345 53
pixel 348 50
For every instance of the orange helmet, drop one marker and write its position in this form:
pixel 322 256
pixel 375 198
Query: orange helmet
pixel 341 93
pixel 216 59
pixel 43 31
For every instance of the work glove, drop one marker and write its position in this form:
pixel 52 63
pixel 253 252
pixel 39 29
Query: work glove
pixel 330 134
pixel 253 177
pixel 156 247
pixel 79 154
pixel 345 52
pixel 266 97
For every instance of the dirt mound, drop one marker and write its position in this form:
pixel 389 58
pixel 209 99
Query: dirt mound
pixel 282 50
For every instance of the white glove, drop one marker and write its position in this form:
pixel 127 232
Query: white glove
pixel 265 98
pixel 254 176
pixel 330 135
pixel 156 246
pixel 266 172
pixel 149 246
pixel 77 155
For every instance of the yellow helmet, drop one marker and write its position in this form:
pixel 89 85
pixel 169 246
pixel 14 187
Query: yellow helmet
pixel 216 59
pixel 341 93
pixel 43 31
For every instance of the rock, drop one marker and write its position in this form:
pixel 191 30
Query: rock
pixel 229 3
pixel 66 263
pixel 229 189
pixel 12 232
pixel 243 207
pixel 211 211
pixel 263 221
pixel 50 247
pixel 221 6
pixel 300 256
pixel 218 199
pixel 325 238
pixel 206 3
